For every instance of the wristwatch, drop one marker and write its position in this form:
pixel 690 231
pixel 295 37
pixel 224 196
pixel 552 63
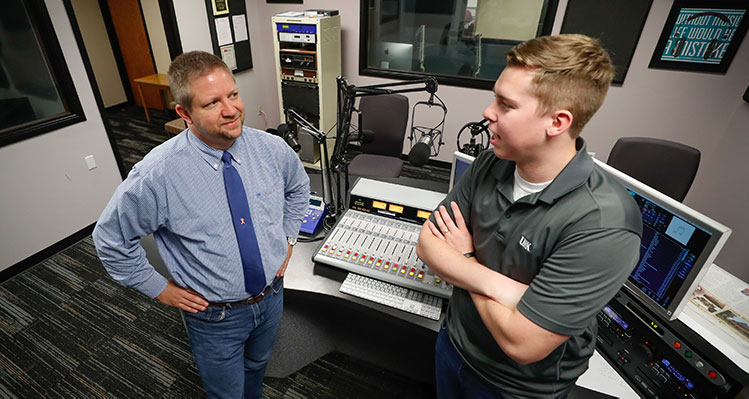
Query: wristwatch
pixel 291 240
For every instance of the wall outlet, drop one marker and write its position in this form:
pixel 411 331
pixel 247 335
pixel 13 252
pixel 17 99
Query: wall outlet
pixel 259 110
pixel 90 162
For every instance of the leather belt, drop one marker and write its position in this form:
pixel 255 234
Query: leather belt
pixel 249 301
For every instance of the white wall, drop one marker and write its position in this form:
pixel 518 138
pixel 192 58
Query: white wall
pixel 99 49
pixel 47 191
pixel 699 109
pixel 156 34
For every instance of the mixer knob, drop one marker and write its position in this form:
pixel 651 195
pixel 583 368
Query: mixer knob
pixel 642 353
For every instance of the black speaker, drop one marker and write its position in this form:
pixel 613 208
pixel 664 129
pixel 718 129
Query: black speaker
pixel 746 95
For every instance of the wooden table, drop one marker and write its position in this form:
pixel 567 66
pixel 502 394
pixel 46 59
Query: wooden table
pixel 158 80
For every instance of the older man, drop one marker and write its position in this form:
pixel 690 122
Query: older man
pixel 225 203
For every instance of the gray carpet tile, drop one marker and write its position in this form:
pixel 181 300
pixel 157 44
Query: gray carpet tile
pixel 68 330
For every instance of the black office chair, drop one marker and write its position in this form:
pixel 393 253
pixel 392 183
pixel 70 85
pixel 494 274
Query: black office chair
pixel 384 122
pixel 667 166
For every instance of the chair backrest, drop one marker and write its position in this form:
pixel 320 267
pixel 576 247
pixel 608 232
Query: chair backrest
pixel 386 116
pixel 667 166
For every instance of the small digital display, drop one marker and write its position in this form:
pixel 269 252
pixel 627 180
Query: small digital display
pixel 315 202
pixel 379 205
pixel 679 376
pixel 395 208
pixel 423 214
pixel 615 316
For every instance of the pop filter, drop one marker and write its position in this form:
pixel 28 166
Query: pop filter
pixel 420 152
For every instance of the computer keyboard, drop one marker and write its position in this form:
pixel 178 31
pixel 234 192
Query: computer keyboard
pixel 392 295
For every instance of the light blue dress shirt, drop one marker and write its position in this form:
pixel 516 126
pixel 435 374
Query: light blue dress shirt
pixel 177 193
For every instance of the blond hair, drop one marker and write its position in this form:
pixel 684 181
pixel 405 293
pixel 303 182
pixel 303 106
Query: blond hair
pixel 573 72
pixel 187 67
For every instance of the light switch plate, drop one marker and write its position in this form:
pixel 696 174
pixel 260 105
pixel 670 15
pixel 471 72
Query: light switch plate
pixel 90 162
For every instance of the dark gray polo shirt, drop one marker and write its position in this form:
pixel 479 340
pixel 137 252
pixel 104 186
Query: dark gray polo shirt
pixel 574 243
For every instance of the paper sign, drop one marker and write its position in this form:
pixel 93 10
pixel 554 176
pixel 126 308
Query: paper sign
pixel 223 31
pixel 227 54
pixel 240 27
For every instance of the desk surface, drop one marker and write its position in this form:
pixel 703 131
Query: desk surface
pixel 157 79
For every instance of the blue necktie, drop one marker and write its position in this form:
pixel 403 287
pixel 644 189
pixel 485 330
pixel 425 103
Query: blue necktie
pixel 252 265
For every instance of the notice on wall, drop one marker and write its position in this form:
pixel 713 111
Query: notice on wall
pixel 227 54
pixel 223 31
pixel 240 27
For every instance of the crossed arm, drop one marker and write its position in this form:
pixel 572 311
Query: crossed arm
pixel 442 246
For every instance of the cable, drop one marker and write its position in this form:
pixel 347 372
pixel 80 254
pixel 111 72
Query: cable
pixel 264 117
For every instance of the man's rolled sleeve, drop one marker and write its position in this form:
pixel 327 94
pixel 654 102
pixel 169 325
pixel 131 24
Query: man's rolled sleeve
pixel 133 212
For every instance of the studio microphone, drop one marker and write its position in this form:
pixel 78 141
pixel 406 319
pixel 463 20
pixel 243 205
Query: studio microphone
pixel 430 138
pixel 288 134
pixel 420 152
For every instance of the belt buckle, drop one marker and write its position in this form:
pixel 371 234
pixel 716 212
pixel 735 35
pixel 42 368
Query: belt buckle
pixel 257 298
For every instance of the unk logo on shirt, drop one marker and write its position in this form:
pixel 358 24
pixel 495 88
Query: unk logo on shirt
pixel 525 243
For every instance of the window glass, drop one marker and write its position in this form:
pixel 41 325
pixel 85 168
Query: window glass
pixel 462 42
pixel 32 92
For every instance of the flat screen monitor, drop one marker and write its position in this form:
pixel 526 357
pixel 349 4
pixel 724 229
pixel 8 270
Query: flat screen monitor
pixel 392 55
pixel 461 162
pixel 678 246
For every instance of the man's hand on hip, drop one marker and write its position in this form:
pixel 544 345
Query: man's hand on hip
pixel 183 298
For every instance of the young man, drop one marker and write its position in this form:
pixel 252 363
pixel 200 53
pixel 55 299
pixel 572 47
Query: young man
pixel 535 237
pixel 225 203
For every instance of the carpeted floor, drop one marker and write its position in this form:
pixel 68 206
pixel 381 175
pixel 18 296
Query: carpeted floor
pixel 68 330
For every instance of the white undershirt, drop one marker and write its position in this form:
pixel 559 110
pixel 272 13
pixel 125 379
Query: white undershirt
pixel 522 187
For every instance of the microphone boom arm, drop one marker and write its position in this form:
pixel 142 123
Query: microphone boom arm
pixel 320 139
pixel 347 95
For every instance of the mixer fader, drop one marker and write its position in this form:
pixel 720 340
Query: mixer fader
pixel 377 236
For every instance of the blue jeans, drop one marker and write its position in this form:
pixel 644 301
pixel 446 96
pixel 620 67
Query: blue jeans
pixel 454 378
pixel 232 345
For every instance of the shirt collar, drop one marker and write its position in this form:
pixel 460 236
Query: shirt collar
pixel 574 175
pixel 212 156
